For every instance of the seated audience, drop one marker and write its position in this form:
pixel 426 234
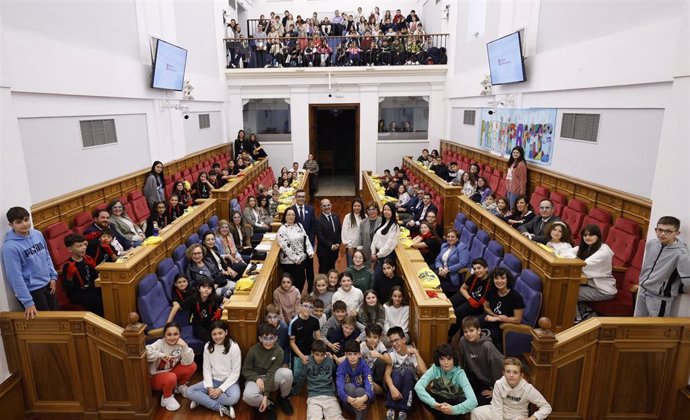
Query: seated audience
pixel 520 214
pixel 598 257
pixel 428 243
pixel 470 300
pixel 559 239
pixel 79 276
pixel 407 366
pixel 453 256
pixel 124 225
pixel 503 304
pixel 101 222
pixel 158 219
pixel 535 229
pixel 175 208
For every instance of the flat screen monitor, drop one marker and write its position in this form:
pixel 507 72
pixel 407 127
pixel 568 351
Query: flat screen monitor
pixel 168 66
pixel 505 60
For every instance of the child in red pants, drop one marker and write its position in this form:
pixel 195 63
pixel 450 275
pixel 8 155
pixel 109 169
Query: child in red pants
pixel 171 364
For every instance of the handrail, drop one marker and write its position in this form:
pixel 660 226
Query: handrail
pixel 618 203
pixel 79 364
pixel 232 188
pixel 430 318
pixel 66 206
pixel 605 365
pixel 561 277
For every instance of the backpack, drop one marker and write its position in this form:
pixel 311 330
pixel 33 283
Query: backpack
pixel 442 389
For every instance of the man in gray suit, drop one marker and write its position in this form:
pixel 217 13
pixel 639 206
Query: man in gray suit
pixel 535 228
pixel 367 229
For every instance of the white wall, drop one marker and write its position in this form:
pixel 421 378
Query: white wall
pixel 198 138
pixel 388 153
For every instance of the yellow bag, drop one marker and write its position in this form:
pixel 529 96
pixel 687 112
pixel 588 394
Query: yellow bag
pixel 406 242
pixel 404 232
pixel 152 240
pixel 281 208
pixel 428 279
pixel 245 283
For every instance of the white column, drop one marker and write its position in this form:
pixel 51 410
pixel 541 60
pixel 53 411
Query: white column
pixel 437 115
pixel 368 131
pixel 671 191
pixel 299 115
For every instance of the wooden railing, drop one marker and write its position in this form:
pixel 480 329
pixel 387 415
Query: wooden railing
pixel 618 203
pixel 561 277
pixel 65 207
pixel 78 365
pixel 245 311
pixel 430 317
pixel 606 368
pixel 450 193
pixel 119 281
pixel 227 192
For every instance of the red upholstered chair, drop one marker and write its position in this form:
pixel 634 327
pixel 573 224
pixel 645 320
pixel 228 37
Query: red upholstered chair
pixel 82 221
pixel 539 194
pixel 623 238
pixel 494 180
pixel 624 302
pixel 502 190
pixel 168 189
pixel 559 202
pixel 186 172
pixel 55 236
pixel 140 208
pixel 599 217
pixel 573 215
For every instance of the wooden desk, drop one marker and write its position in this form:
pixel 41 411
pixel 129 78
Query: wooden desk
pixel 560 276
pixel 616 202
pixel 235 186
pixel 440 187
pixel 430 318
pixel 119 281
pixel 245 312
pixel 66 206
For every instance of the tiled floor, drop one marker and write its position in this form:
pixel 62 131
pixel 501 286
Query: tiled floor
pixel 336 186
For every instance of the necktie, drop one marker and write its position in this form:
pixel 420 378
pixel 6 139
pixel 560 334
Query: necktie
pixel 301 213
pixel 330 220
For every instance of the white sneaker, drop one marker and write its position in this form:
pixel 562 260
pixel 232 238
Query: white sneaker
pixel 170 403
pixel 232 412
pixel 182 390
pixel 227 411
pixel 193 405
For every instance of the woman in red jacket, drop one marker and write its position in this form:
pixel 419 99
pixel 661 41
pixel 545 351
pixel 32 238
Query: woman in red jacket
pixel 516 176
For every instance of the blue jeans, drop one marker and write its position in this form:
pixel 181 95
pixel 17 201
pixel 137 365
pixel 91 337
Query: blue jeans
pixel 299 372
pixel 199 393
pixel 404 380
pixel 512 198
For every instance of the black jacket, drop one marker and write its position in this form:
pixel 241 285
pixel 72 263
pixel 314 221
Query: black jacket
pixel 326 235
pixel 536 227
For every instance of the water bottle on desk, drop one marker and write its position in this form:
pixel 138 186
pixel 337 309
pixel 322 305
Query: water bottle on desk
pixel 155 228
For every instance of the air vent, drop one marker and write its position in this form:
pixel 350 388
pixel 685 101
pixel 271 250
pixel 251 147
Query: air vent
pixel 204 121
pixel 468 116
pixel 580 127
pixel 97 132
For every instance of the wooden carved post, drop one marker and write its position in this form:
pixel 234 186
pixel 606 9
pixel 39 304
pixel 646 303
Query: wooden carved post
pixel 543 342
pixel 140 394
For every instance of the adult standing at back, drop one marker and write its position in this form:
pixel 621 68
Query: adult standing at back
pixel 154 188
pixel 367 229
pixel 312 167
pixel 239 144
pixel 307 217
pixel 328 233
pixel 385 238
pixel 516 176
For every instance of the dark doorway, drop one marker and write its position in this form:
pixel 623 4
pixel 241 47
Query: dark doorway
pixel 334 141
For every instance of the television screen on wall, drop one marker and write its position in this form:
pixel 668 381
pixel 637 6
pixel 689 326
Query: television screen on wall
pixel 168 66
pixel 505 60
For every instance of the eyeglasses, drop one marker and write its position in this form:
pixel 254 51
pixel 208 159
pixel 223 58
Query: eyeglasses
pixel 395 341
pixel 664 231
pixel 268 338
pixel 545 208
pixel 197 253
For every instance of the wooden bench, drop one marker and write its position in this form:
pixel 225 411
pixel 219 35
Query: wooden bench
pixel 232 189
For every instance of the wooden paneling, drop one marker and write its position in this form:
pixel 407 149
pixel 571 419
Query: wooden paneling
pixel 430 317
pixel 440 187
pixel 235 186
pixel 78 365
pixel 618 203
pixel 12 398
pixel 65 207
pixel 612 368
pixel 560 276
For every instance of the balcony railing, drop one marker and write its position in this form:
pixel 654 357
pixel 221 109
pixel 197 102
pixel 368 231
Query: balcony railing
pixel 335 51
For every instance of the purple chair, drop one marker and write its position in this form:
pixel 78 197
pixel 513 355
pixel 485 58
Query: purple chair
pixel 460 220
pixel 180 258
pixel 154 307
pixel 517 339
pixel 193 239
pixel 468 233
pixel 202 230
pixel 166 273
pixel 512 263
pixel 479 244
pixel 213 222
pixel 493 254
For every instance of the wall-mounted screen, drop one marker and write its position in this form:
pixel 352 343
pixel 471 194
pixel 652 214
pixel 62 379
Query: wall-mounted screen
pixel 505 59
pixel 168 66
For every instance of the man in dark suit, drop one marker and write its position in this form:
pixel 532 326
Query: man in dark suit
pixel 535 228
pixel 328 236
pixel 307 217
pixel 441 170
pixel 407 212
pixel 420 213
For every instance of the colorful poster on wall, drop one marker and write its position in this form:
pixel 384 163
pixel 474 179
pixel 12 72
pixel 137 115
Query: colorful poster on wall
pixel 532 128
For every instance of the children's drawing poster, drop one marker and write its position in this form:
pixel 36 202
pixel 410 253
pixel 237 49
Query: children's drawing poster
pixel 532 128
